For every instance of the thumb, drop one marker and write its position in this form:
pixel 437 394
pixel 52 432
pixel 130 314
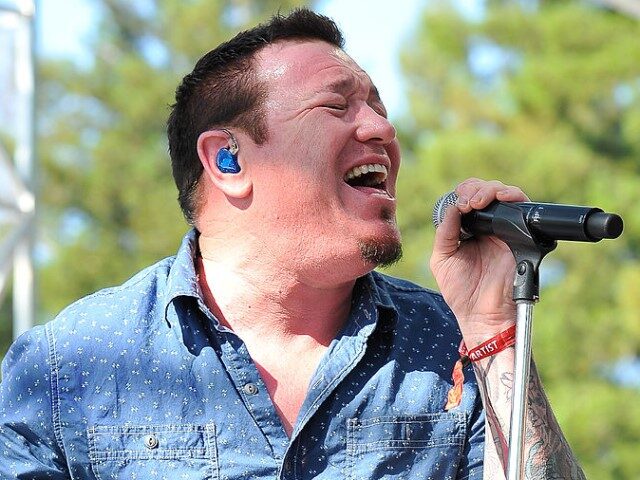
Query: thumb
pixel 447 238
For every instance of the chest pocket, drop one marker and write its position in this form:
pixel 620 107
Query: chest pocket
pixel 153 451
pixel 405 447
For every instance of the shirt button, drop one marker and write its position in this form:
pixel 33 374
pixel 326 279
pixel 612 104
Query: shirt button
pixel 151 441
pixel 250 389
pixel 287 466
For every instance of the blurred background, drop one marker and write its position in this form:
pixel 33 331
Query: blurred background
pixel 541 94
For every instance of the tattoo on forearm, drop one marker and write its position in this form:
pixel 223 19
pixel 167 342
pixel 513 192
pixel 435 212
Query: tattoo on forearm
pixel 495 427
pixel 547 454
pixel 506 379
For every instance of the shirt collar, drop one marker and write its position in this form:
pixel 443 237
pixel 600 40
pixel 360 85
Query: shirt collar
pixel 182 279
pixel 379 290
pixel 372 292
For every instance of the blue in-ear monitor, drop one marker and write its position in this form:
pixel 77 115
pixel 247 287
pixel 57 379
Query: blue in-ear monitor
pixel 227 162
pixel 227 158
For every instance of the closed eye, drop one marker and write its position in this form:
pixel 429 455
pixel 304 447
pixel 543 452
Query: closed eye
pixel 379 108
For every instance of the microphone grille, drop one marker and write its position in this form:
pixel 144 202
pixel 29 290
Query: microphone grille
pixel 445 201
pixel 439 209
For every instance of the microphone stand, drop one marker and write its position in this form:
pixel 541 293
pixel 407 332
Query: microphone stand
pixel 510 227
pixel 524 321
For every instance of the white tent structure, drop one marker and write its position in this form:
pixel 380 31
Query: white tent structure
pixel 17 171
pixel 628 7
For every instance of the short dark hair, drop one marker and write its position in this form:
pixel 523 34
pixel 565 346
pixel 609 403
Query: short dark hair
pixel 223 91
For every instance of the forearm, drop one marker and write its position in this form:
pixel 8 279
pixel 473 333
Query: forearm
pixel 546 453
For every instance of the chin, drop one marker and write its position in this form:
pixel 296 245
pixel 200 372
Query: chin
pixel 381 252
pixel 384 249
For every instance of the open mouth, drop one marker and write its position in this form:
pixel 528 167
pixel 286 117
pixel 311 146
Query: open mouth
pixel 373 175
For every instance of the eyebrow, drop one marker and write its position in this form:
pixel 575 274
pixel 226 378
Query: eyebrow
pixel 347 84
pixel 342 84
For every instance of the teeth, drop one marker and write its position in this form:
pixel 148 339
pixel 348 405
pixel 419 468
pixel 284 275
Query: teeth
pixel 364 169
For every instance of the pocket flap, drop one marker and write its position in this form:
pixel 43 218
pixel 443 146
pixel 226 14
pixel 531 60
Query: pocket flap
pixel 139 442
pixel 414 431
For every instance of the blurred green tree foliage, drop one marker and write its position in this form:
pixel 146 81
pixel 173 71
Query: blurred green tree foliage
pixel 544 95
pixel 108 201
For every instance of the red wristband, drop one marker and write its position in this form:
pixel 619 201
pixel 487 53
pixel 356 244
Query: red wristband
pixel 494 345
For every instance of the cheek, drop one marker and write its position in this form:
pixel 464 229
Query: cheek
pixel 393 151
pixel 304 172
pixel 299 195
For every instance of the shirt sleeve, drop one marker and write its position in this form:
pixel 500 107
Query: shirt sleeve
pixel 29 448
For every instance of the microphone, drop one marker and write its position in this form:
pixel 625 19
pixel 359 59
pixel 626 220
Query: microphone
pixel 545 221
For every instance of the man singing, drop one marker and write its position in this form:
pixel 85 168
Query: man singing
pixel 268 348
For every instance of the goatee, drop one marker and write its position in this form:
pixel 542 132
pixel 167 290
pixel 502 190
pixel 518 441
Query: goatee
pixel 382 253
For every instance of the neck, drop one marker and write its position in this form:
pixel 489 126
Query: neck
pixel 286 321
pixel 263 299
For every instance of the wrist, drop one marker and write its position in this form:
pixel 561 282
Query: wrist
pixel 493 346
pixel 476 330
pixel 478 338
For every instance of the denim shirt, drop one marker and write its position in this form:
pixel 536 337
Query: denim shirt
pixel 142 382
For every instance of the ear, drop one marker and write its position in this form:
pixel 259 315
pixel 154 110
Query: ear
pixel 235 185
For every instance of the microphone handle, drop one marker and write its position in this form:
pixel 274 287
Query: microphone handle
pixel 547 221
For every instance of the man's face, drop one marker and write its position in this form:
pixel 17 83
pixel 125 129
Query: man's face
pixel 327 174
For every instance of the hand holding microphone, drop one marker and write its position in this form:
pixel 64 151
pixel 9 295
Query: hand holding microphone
pixel 477 278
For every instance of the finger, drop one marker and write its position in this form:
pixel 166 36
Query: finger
pixel 447 236
pixel 466 190
pixel 470 181
pixel 468 193
pixel 495 190
pixel 482 194
pixel 511 194
pixel 478 194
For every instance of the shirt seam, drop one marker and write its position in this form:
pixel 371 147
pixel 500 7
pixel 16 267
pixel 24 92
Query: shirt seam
pixel 55 388
pixel 141 276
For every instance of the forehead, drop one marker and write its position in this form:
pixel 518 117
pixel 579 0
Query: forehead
pixel 309 65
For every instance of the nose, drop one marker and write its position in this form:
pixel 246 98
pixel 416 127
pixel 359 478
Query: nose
pixel 374 127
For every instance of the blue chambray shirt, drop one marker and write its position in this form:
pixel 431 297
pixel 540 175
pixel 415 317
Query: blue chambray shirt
pixel 141 382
